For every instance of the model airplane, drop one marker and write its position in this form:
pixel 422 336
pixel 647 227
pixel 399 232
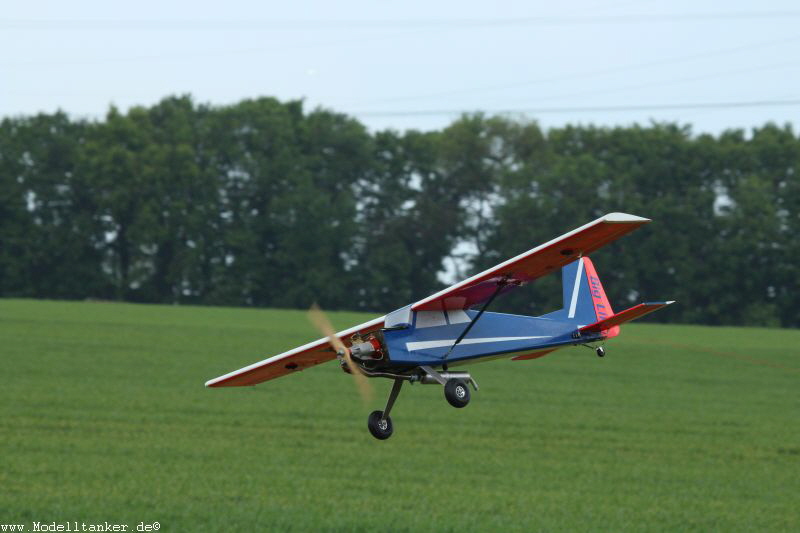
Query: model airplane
pixel 418 343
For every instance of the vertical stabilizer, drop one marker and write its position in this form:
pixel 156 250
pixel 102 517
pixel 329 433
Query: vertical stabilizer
pixel 600 303
pixel 585 300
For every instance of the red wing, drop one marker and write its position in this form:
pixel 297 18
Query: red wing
pixel 534 263
pixel 294 360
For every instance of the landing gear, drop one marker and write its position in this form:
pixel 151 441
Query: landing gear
pixel 601 352
pixel 381 427
pixel 456 392
pixel 379 422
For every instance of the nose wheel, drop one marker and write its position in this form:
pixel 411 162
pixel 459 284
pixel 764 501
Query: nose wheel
pixel 381 427
pixel 457 393
pixel 379 422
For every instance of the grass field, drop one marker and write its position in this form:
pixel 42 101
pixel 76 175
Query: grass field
pixel 105 418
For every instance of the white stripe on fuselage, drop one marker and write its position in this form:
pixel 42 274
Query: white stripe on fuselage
pixel 424 345
pixel 576 289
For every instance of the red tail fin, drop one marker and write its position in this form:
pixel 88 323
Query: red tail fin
pixel 602 307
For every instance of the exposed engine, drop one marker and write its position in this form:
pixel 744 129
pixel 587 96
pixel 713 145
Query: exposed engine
pixel 366 348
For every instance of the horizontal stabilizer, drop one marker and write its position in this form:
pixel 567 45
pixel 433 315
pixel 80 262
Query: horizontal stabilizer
pixel 627 315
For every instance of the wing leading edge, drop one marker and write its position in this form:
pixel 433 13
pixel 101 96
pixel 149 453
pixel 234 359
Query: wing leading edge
pixel 537 262
pixel 294 360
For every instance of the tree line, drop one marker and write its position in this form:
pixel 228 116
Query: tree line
pixel 263 203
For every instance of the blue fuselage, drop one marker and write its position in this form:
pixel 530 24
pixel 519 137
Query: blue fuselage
pixel 431 334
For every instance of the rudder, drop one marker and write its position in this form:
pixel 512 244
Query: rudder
pixel 601 305
pixel 585 300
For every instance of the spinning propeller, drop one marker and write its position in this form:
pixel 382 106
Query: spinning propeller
pixel 323 325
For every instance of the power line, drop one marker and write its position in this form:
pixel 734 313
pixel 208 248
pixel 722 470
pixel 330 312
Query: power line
pixel 452 23
pixel 202 54
pixel 584 74
pixel 668 82
pixel 588 109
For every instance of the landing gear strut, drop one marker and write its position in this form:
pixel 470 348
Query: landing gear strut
pixel 379 422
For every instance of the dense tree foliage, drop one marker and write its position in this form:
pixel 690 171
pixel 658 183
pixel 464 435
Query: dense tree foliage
pixel 262 203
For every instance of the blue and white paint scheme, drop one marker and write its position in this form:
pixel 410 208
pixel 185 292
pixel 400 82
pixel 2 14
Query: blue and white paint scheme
pixel 425 337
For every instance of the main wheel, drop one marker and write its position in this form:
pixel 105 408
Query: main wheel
pixel 456 392
pixel 381 429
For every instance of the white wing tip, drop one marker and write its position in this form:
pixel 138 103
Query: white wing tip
pixel 624 217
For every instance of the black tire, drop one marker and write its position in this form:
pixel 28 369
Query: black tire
pixel 380 429
pixel 456 392
pixel 600 351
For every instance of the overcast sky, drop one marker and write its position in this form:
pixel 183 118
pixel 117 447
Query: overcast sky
pixel 411 64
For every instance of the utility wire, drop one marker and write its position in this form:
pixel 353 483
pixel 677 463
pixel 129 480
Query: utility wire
pixel 668 82
pixel 584 74
pixel 587 109
pixel 444 23
pixel 202 54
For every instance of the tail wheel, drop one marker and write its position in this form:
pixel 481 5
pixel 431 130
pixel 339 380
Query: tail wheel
pixel 380 427
pixel 600 351
pixel 456 392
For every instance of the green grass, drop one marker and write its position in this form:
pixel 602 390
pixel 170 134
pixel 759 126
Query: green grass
pixel 105 418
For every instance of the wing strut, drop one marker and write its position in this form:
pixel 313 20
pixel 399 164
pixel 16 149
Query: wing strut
pixel 500 284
